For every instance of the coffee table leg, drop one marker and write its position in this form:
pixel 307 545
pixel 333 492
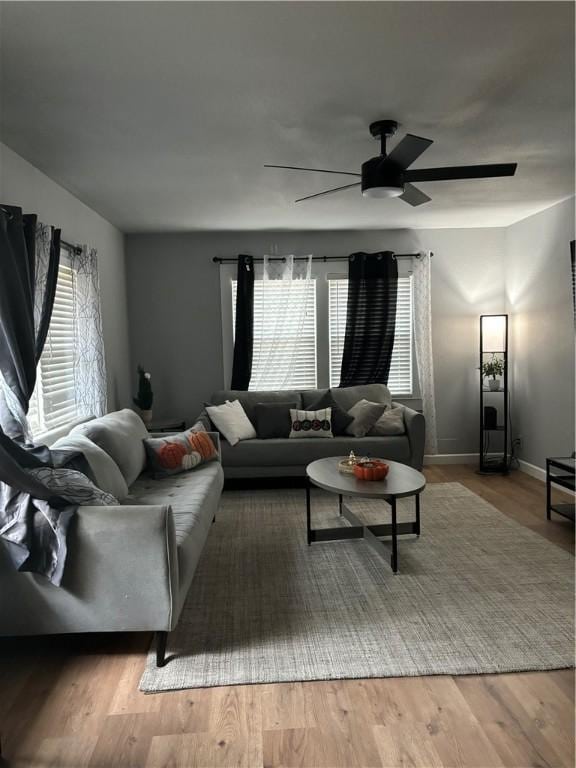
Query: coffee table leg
pixel 340 504
pixel 308 526
pixel 417 514
pixel 394 561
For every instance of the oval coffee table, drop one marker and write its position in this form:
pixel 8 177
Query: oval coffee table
pixel 400 482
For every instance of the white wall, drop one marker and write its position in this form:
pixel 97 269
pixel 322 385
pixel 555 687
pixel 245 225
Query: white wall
pixel 539 300
pixel 24 185
pixel 175 323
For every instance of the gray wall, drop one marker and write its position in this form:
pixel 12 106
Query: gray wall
pixel 24 185
pixel 539 299
pixel 175 325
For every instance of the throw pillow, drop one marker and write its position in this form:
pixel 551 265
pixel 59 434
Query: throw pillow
pixel 340 419
pixel 105 472
pixel 273 419
pixel 365 415
pixel 177 453
pixel 231 421
pixel 311 423
pixel 390 423
pixel 73 486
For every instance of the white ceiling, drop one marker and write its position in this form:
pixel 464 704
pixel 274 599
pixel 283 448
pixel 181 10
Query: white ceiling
pixel 160 116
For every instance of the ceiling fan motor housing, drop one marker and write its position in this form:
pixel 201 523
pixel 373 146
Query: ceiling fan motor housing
pixel 381 178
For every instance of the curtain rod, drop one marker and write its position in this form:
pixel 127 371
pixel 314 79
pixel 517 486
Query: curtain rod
pixel 70 246
pixel 222 260
pixel 74 248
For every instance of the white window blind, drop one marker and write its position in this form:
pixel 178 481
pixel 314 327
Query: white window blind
pixel 53 402
pixel 400 378
pixel 303 372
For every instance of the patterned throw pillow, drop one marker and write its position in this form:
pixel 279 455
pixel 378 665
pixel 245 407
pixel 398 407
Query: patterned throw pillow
pixel 311 423
pixel 73 486
pixel 178 453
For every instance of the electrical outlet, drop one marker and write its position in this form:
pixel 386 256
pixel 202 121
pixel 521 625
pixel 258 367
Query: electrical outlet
pixel 517 442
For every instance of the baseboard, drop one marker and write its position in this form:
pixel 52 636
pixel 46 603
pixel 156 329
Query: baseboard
pixel 451 458
pixel 540 474
pixel 532 469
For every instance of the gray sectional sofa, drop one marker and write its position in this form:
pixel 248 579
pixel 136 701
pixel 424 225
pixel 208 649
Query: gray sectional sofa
pixel 277 457
pixel 129 567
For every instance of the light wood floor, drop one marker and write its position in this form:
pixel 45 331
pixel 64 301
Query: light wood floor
pixel 69 702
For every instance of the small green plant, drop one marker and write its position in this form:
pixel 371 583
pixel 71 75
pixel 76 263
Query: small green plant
pixel 493 367
pixel 145 396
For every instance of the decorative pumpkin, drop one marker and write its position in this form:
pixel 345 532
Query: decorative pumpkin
pixel 202 444
pixel 371 470
pixel 170 455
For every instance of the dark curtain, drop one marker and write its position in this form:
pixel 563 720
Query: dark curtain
pixel 573 265
pixel 370 319
pixel 244 328
pixel 22 329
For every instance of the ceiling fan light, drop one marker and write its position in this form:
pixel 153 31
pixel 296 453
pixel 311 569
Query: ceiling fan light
pixel 383 192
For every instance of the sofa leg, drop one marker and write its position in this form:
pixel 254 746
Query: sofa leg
pixel 161 638
pixel 214 519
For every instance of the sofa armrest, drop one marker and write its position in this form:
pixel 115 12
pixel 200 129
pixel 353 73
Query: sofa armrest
pixel 416 431
pixel 126 555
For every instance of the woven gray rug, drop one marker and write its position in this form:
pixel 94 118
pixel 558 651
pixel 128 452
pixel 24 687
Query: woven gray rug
pixel 476 593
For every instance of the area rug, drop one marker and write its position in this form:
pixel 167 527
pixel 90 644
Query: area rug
pixel 476 593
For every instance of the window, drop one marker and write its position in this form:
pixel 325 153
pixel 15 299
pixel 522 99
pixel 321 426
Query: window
pixel 298 341
pixel 53 402
pixel 400 379
pixel 319 344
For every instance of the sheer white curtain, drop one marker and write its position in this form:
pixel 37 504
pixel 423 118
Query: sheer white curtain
pixel 89 362
pixel 278 329
pixel 423 345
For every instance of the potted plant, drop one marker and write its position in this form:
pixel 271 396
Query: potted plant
pixel 145 396
pixel 493 368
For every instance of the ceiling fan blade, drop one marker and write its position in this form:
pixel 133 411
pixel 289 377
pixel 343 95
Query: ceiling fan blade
pixel 460 172
pixel 315 170
pixel 408 150
pixel 414 196
pixel 328 192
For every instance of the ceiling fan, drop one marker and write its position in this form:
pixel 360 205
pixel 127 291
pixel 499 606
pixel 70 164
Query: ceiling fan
pixel 387 175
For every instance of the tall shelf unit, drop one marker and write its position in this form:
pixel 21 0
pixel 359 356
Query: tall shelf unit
pixel 494 422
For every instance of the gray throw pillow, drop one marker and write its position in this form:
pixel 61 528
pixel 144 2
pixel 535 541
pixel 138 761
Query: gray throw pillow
pixel 365 415
pixel 390 423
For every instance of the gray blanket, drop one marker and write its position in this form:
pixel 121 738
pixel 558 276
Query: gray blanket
pixel 34 521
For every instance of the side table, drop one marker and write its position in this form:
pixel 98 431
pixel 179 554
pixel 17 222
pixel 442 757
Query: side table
pixel 560 471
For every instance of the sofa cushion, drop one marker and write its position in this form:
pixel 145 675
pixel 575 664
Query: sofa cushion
pixel 365 415
pixel 250 399
pixel 346 397
pixel 182 452
pixel 193 498
pixel 231 421
pixel 105 471
pixel 273 419
pixel 121 434
pixel 311 396
pixel 300 451
pixel 340 419
pixel 390 423
pixel 311 423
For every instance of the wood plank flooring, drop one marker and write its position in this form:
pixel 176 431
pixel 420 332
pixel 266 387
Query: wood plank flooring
pixel 69 702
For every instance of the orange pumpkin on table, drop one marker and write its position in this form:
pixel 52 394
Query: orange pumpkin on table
pixel 371 470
